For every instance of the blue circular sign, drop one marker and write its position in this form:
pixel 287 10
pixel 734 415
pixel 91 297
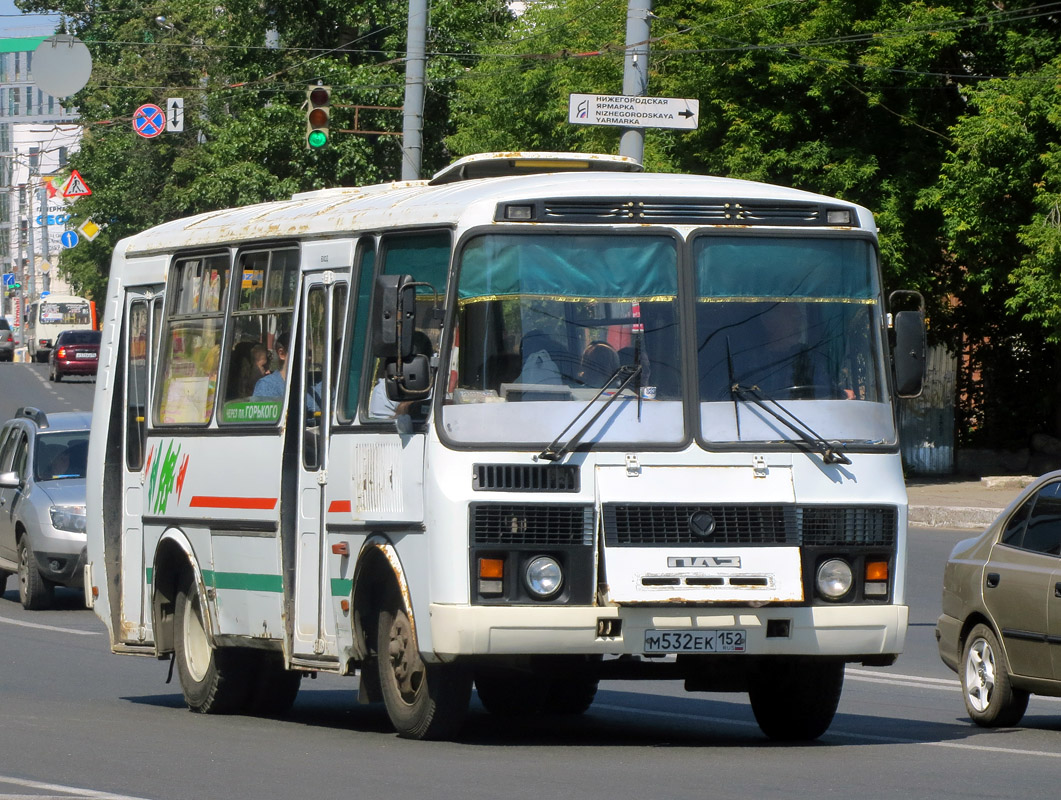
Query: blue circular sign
pixel 69 239
pixel 149 120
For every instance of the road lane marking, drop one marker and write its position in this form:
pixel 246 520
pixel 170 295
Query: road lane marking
pixel 56 628
pixel 835 734
pixel 67 790
pixel 918 682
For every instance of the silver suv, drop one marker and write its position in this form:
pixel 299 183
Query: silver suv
pixel 42 502
pixel 7 341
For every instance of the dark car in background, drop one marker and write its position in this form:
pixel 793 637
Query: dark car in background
pixel 74 352
pixel 7 341
pixel 1001 620
pixel 42 502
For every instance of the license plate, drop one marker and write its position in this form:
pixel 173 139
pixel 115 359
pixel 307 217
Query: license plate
pixel 84 355
pixel 705 641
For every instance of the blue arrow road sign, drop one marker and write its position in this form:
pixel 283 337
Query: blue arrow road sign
pixel 149 120
pixel 69 239
pixel 9 279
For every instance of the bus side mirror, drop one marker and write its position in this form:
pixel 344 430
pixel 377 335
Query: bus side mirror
pixel 908 354
pixel 411 381
pixel 395 320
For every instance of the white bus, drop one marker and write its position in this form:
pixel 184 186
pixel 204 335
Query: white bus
pixel 47 317
pixel 539 421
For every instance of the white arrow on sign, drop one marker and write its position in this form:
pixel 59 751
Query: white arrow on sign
pixel 625 111
pixel 175 115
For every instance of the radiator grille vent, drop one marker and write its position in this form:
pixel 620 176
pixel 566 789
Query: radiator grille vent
pixel 656 525
pixel 526 524
pixel 525 478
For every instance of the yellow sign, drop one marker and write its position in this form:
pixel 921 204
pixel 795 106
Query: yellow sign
pixel 89 229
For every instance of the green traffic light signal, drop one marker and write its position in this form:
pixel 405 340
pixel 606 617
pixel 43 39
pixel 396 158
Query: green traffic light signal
pixel 318 110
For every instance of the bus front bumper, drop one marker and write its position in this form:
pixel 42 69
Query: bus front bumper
pixel 842 631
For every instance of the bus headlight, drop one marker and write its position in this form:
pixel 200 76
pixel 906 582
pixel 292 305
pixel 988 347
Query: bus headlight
pixel 834 578
pixel 543 577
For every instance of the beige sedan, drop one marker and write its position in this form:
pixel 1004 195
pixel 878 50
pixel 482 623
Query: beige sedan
pixel 1000 629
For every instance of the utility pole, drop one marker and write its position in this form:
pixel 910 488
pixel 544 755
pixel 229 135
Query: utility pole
pixel 413 118
pixel 46 279
pixel 635 71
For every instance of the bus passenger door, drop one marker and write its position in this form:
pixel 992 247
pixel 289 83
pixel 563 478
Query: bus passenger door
pixel 140 309
pixel 321 327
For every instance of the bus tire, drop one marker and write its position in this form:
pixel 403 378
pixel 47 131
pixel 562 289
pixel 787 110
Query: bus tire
pixel 571 696
pixel 423 701
pixel 511 694
pixel 34 590
pixel 275 688
pixel 214 680
pixel 795 700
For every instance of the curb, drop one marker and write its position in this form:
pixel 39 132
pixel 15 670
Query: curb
pixel 952 516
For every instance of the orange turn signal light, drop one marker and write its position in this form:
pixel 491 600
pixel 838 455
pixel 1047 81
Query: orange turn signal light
pixel 492 568
pixel 876 571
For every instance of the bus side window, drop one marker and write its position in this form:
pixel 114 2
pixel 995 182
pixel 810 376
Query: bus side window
pixel 350 380
pixel 136 385
pixel 261 329
pixel 425 256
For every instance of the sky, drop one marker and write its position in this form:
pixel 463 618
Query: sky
pixel 14 23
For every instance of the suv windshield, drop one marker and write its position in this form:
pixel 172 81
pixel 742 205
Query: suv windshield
pixel 60 455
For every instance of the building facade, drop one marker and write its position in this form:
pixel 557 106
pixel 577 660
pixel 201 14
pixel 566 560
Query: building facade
pixel 38 133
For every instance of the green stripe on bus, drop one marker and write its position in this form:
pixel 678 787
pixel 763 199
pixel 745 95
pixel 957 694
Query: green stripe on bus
pixel 247 581
pixel 341 587
pixel 150 574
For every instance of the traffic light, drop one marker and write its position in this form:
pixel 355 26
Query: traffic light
pixel 318 100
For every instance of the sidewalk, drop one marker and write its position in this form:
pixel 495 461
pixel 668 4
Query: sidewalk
pixel 962 502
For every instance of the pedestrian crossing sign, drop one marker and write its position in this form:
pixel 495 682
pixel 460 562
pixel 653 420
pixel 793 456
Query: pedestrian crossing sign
pixel 75 185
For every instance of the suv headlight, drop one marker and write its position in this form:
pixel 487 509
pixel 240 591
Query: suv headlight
pixel 68 518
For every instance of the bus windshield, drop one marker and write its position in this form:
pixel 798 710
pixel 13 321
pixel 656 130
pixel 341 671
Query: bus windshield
pixel 545 320
pixel 65 313
pixel 792 320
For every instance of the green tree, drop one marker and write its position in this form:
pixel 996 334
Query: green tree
pixel 242 69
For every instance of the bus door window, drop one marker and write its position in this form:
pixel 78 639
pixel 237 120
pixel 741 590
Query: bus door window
pixel 192 340
pixel 136 384
pixel 323 336
pixel 426 257
pixel 350 383
pixel 256 364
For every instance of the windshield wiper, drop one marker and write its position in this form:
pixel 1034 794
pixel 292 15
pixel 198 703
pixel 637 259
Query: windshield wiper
pixel 829 451
pixel 555 451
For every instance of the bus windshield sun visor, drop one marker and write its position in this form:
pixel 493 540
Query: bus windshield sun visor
pixel 829 451
pixel 555 451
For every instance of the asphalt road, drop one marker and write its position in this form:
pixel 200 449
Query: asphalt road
pixel 76 721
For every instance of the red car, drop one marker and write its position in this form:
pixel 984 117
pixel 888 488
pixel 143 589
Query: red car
pixel 74 353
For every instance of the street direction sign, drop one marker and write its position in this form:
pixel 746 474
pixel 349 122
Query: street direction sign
pixel 9 279
pixel 149 120
pixel 175 115
pixel 69 239
pixel 626 111
pixel 75 185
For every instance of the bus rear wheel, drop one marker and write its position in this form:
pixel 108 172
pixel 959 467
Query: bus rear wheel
pixel 423 701
pixel 214 680
pixel 795 700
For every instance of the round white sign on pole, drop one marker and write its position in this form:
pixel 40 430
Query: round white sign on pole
pixel 61 65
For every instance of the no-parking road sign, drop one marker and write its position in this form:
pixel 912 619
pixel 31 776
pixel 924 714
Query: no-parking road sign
pixel 149 120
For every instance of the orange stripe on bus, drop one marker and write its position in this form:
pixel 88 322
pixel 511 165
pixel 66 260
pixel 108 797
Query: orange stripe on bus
pixel 255 503
pixel 338 506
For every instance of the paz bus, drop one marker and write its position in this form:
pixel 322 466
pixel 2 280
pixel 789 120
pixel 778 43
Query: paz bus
pixel 539 421
pixel 47 317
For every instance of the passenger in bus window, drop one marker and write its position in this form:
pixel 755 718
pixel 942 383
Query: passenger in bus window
pixel 599 363
pixel 272 385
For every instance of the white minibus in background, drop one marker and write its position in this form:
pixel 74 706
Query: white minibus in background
pixel 47 317
pixel 538 421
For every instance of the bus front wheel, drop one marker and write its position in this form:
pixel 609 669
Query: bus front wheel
pixel 211 678
pixel 423 701
pixel 795 700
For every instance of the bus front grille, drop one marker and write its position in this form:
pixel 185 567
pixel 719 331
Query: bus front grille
pixel 660 525
pixel 531 524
